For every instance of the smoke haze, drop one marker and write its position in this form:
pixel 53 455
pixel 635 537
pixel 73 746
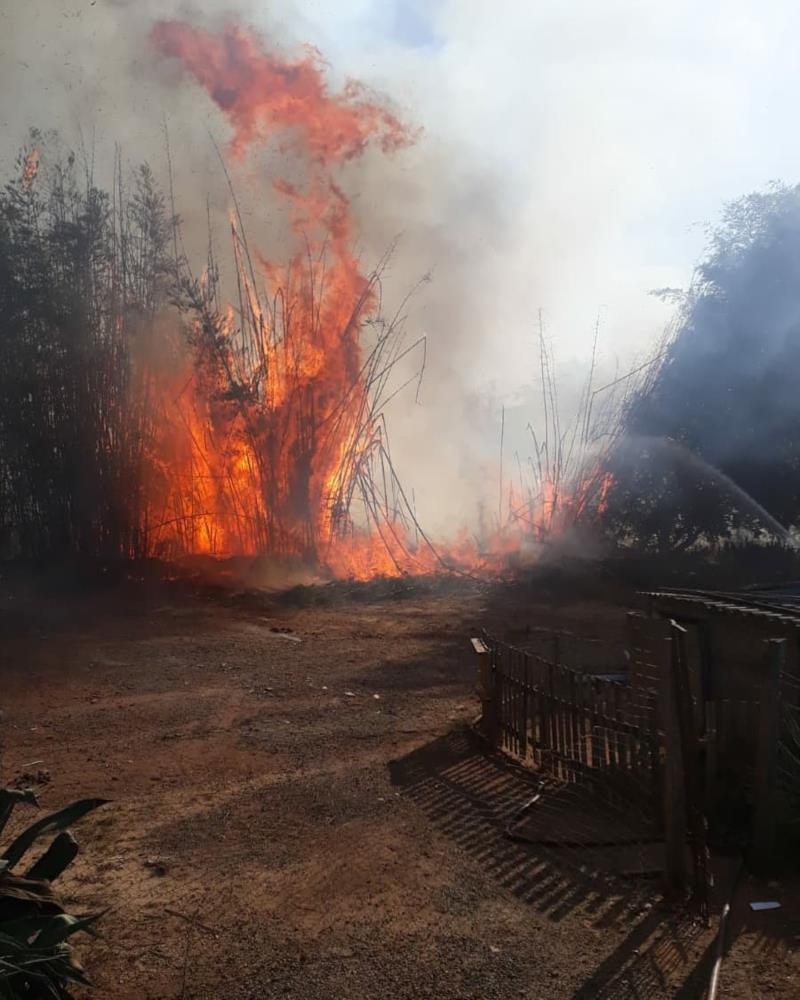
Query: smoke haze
pixel 567 155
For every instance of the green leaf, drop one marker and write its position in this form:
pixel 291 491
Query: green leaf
pixel 24 930
pixel 10 945
pixel 47 931
pixel 63 926
pixel 9 797
pixel 25 890
pixel 36 971
pixel 58 857
pixel 49 824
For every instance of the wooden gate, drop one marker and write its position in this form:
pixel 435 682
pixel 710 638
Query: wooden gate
pixel 633 747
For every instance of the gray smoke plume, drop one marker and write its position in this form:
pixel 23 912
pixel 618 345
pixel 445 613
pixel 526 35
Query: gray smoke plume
pixel 566 152
pixel 88 71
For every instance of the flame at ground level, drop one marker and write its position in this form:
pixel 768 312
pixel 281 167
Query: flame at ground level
pixel 272 442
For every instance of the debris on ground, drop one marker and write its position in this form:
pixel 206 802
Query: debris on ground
pixel 27 778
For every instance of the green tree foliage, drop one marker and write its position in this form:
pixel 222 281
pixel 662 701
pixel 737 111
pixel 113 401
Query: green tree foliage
pixel 719 420
pixel 83 273
pixel 36 958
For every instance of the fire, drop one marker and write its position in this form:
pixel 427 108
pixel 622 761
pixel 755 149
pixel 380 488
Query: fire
pixel 262 94
pixel 30 168
pixel 287 430
pixel 606 482
pixel 273 442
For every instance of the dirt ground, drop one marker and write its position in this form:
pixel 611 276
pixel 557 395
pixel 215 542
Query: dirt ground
pixel 299 808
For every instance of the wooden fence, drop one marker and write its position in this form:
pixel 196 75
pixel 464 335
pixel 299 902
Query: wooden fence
pixel 730 734
pixel 653 746
pixel 633 749
pixel 567 719
pixel 575 728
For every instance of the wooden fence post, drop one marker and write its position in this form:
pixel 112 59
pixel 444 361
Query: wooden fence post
pixel 692 765
pixel 767 754
pixel 486 691
pixel 712 749
pixel 676 867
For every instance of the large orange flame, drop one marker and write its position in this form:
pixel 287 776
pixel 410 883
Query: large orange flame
pixel 262 94
pixel 273 435
pixel 273 470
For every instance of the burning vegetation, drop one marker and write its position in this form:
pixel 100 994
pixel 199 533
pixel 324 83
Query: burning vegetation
pixel 147 413
pixel 161 401
pixel 151 408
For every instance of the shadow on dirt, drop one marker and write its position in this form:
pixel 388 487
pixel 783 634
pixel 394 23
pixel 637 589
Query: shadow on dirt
pixel 470 794
pixel 449 667
pixel 658 958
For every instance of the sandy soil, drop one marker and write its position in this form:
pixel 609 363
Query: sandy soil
pixel 300 809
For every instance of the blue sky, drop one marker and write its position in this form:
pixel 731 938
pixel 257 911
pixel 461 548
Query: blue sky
pixel 411 22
